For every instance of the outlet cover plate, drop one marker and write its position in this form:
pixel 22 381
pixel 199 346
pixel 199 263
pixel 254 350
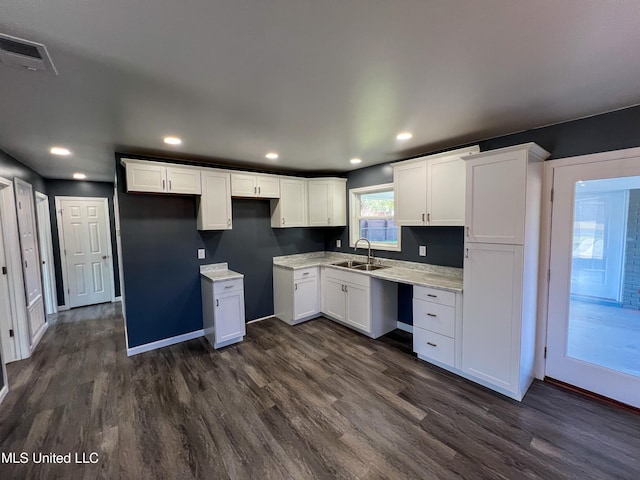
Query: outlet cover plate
pixel 201 253
pixel 422 251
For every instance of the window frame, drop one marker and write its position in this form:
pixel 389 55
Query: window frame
pixel 354 217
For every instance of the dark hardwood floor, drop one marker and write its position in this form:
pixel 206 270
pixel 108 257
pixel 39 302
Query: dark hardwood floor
pixel 312 401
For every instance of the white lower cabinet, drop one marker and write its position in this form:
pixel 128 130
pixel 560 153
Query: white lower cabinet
pixel 366 304
pixel 223 315
pixel 437 326
pixel 296 294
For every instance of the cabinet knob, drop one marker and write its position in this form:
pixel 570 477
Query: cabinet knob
pixel 428 217
pixel 432 295
pixel 468 231
pixel 169 184
pixel 295 285
pixel 432 315
pixel 259 190
pixel 432 344
pixel 466 254
pixel 423 217
pixel 217 303
pixel 163 184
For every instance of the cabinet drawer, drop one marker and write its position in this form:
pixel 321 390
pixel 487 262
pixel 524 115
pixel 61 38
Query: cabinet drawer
pixel 304 273
pixel 434 295
pixel 435 317
pixel 434 346
pixel 228 286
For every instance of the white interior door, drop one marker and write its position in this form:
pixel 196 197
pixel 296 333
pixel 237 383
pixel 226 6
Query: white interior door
pixel 46 253
pixel 7 332
pixel 86 250
pixel 593 334
pixel 28 242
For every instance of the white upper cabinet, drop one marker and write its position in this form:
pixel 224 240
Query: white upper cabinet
pixel 214 206
pixel 252 185
pixel 496 198
pixel 446 179
pixel 153 177
pixel 327 200
pixel 183 180
pixel 410 193
pixel 291 209
pixel 146 177
pixel 431 190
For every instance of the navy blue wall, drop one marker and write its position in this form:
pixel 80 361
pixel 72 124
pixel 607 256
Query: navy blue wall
pixel 75 188
pixel 161 270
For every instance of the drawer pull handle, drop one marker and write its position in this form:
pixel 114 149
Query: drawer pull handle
pixel 229 286
pixel 432 314
pixel 432 295
pixel 305 273
pixel 432 344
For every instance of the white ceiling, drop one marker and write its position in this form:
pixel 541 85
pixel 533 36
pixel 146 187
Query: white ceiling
pixel 318 81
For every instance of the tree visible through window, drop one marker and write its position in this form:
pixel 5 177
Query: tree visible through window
pixel 372 217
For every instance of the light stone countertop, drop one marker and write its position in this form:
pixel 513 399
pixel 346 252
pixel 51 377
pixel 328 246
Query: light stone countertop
pixel 217 272
pixel 412 273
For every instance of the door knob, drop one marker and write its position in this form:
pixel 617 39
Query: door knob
pixel 104 257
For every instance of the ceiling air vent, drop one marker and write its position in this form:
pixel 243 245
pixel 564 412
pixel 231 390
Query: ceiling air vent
pixel 16 52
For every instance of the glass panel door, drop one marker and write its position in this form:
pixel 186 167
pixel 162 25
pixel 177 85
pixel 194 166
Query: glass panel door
pixel 593 335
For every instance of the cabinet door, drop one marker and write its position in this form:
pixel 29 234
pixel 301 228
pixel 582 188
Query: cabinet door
pixel 214 208
pixel 446 191
pixel 496 187
pixel 410 191
pixel 268 186
pixel 305 298
pixel 338 204
pixel 229 316
pixel 183 180
pixel 335 299
pixel 293 203
pixel 146 178
pixel 320 203
pixel 243 185
pixel 491 323
pixel 358 307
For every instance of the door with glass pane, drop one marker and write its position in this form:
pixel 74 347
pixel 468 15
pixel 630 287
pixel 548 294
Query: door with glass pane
pixel 593 336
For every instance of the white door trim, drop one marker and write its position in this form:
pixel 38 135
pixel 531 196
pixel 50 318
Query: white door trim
pixel 65 280
pixel 545 241
pixel 46 253
pixel 18 302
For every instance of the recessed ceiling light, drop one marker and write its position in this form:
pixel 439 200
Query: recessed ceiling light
pixel 79 176
pixel 355 160
pixel 172 140
pixel 60 151
pixel 272 155
pixel 404 136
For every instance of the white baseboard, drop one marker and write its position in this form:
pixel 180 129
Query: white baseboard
pixel 260 319
pixel 38 337
pixel 405 327
pixel 116 299
pixel 63 308
pixel 164 342
pixel 4 391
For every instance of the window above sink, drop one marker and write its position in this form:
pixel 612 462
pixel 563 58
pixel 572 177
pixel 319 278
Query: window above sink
pixel 371 217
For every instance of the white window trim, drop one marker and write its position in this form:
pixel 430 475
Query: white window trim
pixel 353 222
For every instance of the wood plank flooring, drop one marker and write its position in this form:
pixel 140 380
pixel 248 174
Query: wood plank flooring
pixel 307 402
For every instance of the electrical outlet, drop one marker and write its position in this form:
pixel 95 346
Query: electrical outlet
pixel 338 243
pixel 422 251
pixel 201 253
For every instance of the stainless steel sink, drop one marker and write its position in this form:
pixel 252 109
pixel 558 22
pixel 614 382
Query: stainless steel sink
pixel 349 264
pixel 369 267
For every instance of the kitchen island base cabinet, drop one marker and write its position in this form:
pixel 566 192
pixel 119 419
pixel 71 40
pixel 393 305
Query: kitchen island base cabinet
pixel 296 294
pixel 368 305
pixel 223 311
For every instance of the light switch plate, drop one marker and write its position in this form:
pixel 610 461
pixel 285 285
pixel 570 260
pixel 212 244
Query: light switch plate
pixel 201 253
pixel 338 243
pixel 422 251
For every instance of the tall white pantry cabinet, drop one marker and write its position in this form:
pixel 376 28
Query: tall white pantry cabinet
pixel 503 202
